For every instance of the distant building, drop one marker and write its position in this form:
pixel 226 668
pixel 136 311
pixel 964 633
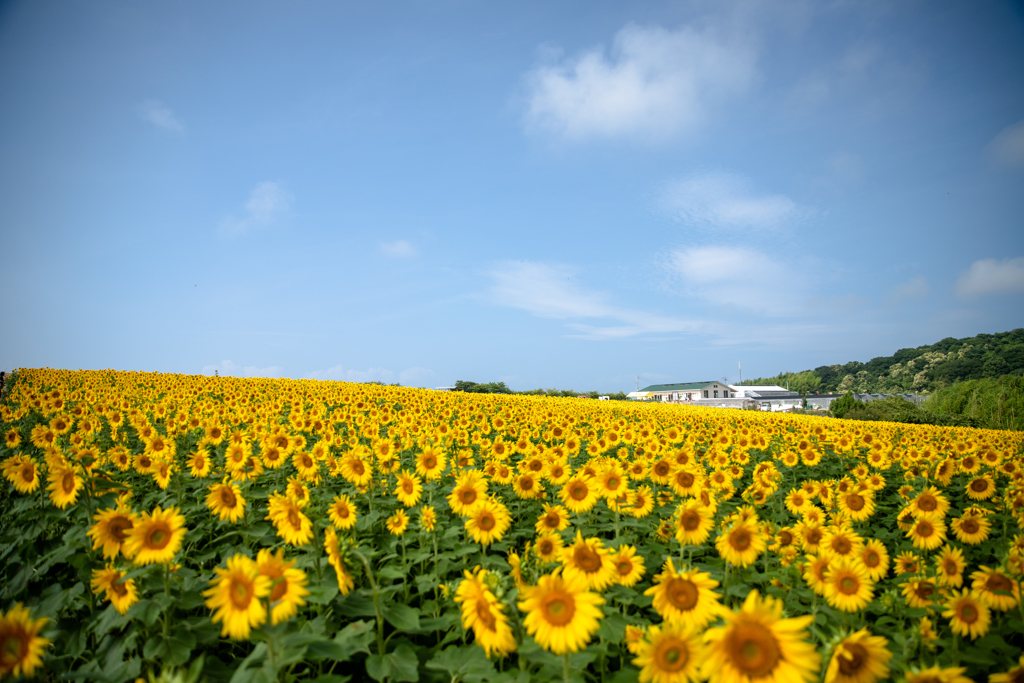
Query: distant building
pixel 741 390
pixel 682 392
pixel 444 388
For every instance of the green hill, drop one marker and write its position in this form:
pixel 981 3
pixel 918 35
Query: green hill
pixel 924 369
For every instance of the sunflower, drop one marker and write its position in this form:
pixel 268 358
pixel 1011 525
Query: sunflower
pixel 428 518
pixel 305 464
pixel 859 658
pixel 579 493
pixel 816 572
pixel 408 488
pixel 929 502
pixel 981 488
pixel 811 535
pixel 971 529
pixel 875 558
pixel 488 522
pixel 967 614
pixel 548 547
pixel 430 463
pixel 554 518
pixel 356 471
pixel 688 598
pixel 226 501
pixel 110 530
pixel 21 646
pixel 199 463
pixel 22 472
pixel 841 541
pixel 236 595
pixel 693 523
pixel 121 592
pixel 590 561
pixel 847 586
pixel 920 592
pixel 996 589
pixel 468 493
pixel 397 523
pixel 741 544
pixel 155 537
pixel 757 643
pixel 287 584
pixel 65 483
pixel 951 564
pixel 482 612
pixel 629 567
pixel 671 653
pixel 641 502
pixel 12 438
pixel 907 563
pixel 342 512
pixel 291 524
pixel 927 533
pixel 858 505
pixel 933 674
pixel 561 614
pixel 1014 675
pixel 272 456
pixel 345 581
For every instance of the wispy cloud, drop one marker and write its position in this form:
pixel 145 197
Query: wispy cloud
pixel 410 377
pixel 654 83
pixel 549 291
pixel 160 115
pixel 228 368
pixel 915 288
pixel 989 276
pixel 267 203
pixel 726 201
pixel 736 278
pixel 398 249
pixel 1007 148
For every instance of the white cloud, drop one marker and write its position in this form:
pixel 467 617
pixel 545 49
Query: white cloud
pixel 160 116
pixel 989 276
pixel 725 201
pixel 267 203
pixel 654 83
pixel 1008 147
pixel 915 288
pixel 228 368
pixel 548 291
pixel 411 377
pixel 398 249
pixel 416 377
pixel 737 278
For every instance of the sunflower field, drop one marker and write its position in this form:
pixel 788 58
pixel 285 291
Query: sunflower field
pixel 185 528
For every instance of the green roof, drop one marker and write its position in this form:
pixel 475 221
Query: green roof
pixel 685 386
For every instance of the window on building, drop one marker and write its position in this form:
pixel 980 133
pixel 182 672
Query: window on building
pixel 716 393
pixel 705 393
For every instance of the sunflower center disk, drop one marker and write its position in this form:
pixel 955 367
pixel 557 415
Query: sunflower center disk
pixel 672 656
pixel 558 608
pixel 241 594
pixel 587 560
pixel 682 594
pixel 754 650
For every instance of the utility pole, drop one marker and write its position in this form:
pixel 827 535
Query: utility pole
pixel 740 364
pixel 638 382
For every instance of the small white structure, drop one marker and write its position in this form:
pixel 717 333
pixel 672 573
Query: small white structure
pixel 743 390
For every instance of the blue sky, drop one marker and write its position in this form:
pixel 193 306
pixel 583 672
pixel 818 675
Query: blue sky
pixel 563 194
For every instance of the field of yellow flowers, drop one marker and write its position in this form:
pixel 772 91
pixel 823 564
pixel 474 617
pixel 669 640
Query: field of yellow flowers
pixel 187 528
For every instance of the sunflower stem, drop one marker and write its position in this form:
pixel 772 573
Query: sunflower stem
pixel 956 653
pixel 565 667
pixel 376 601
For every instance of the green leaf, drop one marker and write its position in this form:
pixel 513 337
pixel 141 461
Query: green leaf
pixel 402 617
pixel 146 610
pixel 466 664
pixel 391 572
pixel 613 628
pixel 356 604
pixel 400 665
pixel 323 592
pixel 356 637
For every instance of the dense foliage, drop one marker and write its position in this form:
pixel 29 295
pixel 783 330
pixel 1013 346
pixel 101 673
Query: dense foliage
pixel 925 368
pixel 254 530
pixel 995 403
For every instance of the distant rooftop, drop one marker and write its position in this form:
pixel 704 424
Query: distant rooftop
pixel 685 386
